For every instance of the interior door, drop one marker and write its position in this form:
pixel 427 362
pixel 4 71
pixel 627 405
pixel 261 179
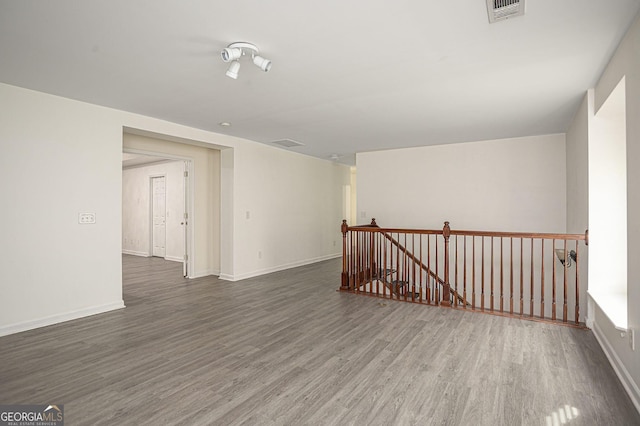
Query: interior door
pixel 158 214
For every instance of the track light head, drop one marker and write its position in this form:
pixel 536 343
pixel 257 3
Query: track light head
pixel 233 70
pixel 262 63
pixel 231 54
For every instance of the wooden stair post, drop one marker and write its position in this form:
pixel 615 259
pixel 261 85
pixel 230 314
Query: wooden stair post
pixel 446 289
pixel 345 275
pixel 373 268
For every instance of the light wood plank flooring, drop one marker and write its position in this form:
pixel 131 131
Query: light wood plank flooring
pixel 287 349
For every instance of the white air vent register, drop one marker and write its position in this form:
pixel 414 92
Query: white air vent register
pixel 499 10
pixel 287 143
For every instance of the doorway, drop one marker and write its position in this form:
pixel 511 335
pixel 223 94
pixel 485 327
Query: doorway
pixel 156 191
pixel 209 201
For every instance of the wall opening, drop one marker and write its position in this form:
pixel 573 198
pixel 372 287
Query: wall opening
pixel 608 207
pixel 204 202
pixel 147 219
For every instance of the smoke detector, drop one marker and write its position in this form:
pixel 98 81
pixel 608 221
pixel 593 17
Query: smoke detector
pixel 500 10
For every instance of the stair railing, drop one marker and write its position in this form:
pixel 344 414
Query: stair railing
pixel 503 273
pixel 372 253
pixel 443 284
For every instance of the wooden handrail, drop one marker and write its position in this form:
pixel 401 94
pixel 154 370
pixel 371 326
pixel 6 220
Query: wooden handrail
pixel 415 259
pixel 568 237
pixel 549 236
pixel 422 265
pixel 369 228
pixel 373 227
pixel 499 281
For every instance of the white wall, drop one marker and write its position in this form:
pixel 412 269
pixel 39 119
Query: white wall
pixel 499 185
pixel 292 214
pixel 513 185
pixel 577 140
pixel 626 63
pixel 136 201
pixel 59 157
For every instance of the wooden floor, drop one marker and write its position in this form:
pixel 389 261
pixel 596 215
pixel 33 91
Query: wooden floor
pixel 288 349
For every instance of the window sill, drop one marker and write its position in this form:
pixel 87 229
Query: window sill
pixel 614 306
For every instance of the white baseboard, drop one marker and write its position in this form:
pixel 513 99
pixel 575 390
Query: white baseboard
pixel 143 254
pixel 206 273
pixel 228 277
pixel 136 253
pixel 55 319
pixel 623 374
pixel 591 311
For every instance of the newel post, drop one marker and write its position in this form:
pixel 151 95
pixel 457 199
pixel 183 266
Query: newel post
pixel 373 268
pixel 345 276
pixel 446 290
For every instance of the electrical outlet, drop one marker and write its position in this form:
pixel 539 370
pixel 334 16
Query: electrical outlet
pixel 259 254
pixel 632 339
pixel 86 218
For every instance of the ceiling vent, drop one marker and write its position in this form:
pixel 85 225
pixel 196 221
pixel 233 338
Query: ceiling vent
pixel 287 143
pixel 500 10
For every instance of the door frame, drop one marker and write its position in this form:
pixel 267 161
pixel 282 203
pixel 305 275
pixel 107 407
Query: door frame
pixel 189 201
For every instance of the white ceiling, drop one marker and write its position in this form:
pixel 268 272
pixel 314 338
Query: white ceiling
pixel 347 76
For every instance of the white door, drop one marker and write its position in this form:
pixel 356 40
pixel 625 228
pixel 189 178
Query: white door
pixel 158 213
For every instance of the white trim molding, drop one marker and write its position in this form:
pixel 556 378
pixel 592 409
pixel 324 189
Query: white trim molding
pixel 623 374
pixel 228 277
pixel 205 273
pixel 56 319
pixel 591 311
pixel 613 306
pixel 136 253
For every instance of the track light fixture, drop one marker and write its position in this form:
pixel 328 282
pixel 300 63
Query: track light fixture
pixel 262 63
pixel 231 54
pixel 233 70
pixel 237 50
